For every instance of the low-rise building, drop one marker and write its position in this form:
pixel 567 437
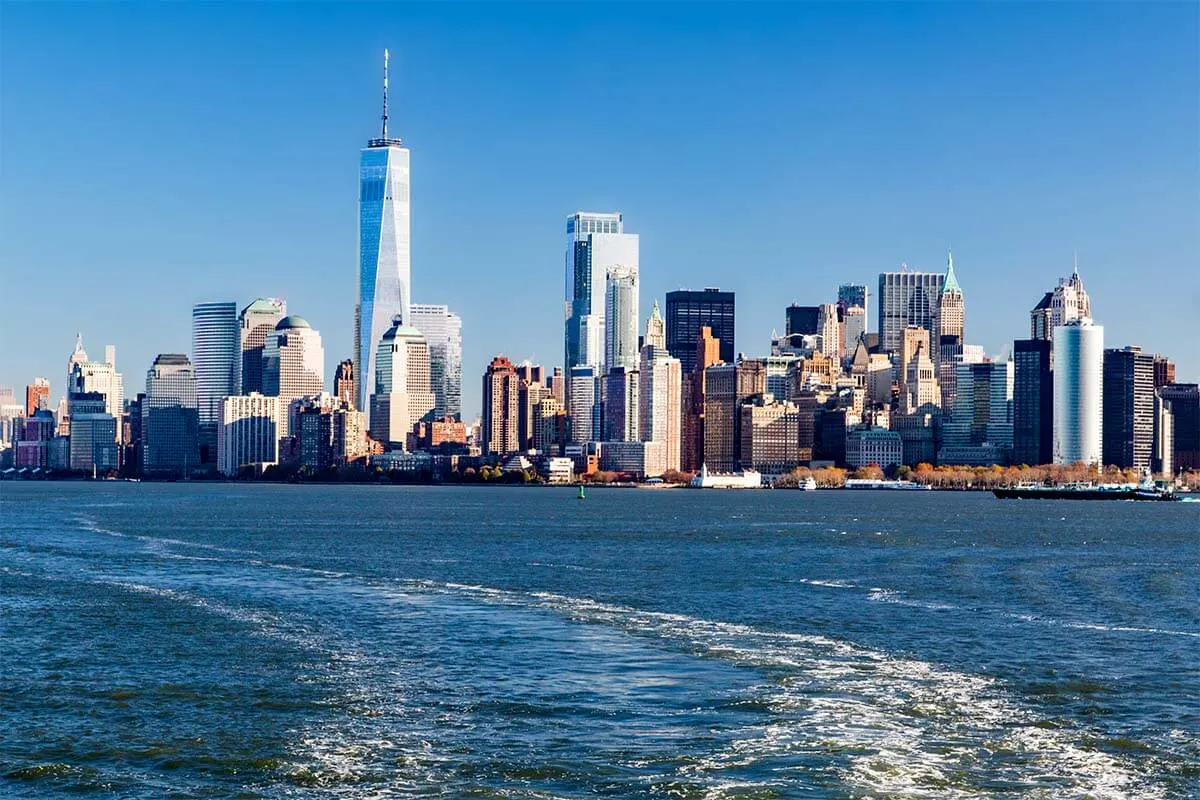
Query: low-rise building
pixel 866 446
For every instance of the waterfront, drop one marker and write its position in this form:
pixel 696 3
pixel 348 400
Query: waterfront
pixel 373 641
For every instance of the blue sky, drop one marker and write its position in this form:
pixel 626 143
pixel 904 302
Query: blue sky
pixel 154 156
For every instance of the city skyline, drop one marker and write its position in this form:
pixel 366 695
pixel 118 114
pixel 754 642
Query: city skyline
pixel 313 265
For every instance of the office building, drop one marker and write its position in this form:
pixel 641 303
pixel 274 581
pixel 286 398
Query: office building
pixel 501 397
pixel 1078 392
pixel 727 387
pixel 689 311
pixel 1127 438
pixel 1033 402
pixel 596 244
pixel 216 344
pixel 37 396
pixel 249 433
pixel 878 446
pixel 1184 399
pixel 951 317
pixel 101 377
pixel 256 322
pixel 384 248
pixel 330 433
pixel 402 395
pixel 639 459
pixel 1162 452
pixel 584 395
pixel 621 318
pixel 656 329
pixel 851 295
pixel 293 362
pixel 344 382
pixel 443 333
pixel 906 299
pixel 1164 371
pixel 78 356
pixel 921 388
pixel 705 353
pixel 979 427
pixel 170 419
pixel 531 388
pixel 770 435
pixel 830 331
pixel 1066 303
pixel 802 320
pixel 660 410
pixel 912 340
pixel 854 327
pixel 551 426
pixel 620 405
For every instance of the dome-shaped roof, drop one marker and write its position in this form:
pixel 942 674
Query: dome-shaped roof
pixel 403 332
pixel 292 321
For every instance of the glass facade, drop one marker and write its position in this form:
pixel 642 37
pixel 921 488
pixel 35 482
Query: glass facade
pixel 215 347
pixel 907 299
pixel 443 332
pixel 384 289
pixel 687 312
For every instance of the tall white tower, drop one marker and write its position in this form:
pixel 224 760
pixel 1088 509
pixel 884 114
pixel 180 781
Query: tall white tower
pixel 384 247
pixel 621 315
pixel 1078 392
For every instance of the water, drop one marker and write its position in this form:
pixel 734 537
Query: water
pixel 193 641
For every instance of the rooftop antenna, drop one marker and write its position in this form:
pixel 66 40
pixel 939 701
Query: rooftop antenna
pixel 385 82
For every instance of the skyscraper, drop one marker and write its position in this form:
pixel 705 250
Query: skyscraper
pixel 37 396
pixel 384 256
pixel 216 347
pixel 656 329
pixel 402 395
pixel 1033 401
pixel 249 433
pixel 1067 302
pixel 830 330
pixel 850 295
pixel 687 312
pixel 621 318
pixel 1128 418
pixel 169 417
pixel 906 299
pixel 501 391
pixel 982 414
pixel 443 333
pixel 951 317
pixel 101 377
pixel 804 320
pixel 256 322
pixel 705 353
pixel 344 382
pixel 659 399
pixel 1184 399
pixel 620 405
pixel 293 363
pixel 728 386
pixel 596 243
pixel 1078 392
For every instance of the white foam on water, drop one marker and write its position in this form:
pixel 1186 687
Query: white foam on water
pixel 902 727
pixel 830 584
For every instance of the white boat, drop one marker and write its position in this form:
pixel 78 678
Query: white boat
pixel 809 485
pixel 871 483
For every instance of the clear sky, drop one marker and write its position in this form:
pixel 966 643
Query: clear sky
pixel 154 156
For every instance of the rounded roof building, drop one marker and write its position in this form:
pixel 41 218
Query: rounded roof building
pixel 292 321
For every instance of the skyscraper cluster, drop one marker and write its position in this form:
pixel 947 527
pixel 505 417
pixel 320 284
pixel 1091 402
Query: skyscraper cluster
pixel 648 394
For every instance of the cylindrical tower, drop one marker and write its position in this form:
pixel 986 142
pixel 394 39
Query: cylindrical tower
pixel 1078 391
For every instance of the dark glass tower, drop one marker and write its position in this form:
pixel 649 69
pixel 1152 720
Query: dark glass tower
pixel 1128 397
pixel 687 312
pixel 1033 401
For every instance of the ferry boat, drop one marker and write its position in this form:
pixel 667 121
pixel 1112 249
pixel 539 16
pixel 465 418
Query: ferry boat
pixel 809 485
pixel 871 483
pixel 1147 491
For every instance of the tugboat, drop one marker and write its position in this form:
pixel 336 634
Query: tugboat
pixel 1147 490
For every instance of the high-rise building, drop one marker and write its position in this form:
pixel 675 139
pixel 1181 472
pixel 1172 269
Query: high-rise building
pixel 656 329
pixel 256 322
pixel 620 404
pixel 621 318
pixel 689 311
pixel 249 433
pixel 1066 303
pixel 1184 399
pixel 37 396
pixel 1033 401
pixel 384 247
pixel 1078 392
pixel 949 334
pixel 854 326
pixel 1163 452
pixel 830 330
pixel 912 340
pixel 93 442
pixel 78 356
pixel 906 299
pixel 660 400
pixel 501 390
pixel 101 377
pixel 293 363
pixel 596 243
pixel 705 353
pixel 216 344
pixel 330 433
pixel 1128 401
pixel 852 294
pixel 770 435
pixel 982 415
pixel 728 386
pixel 443 333
pixel 1164 371
pixel 550 426
pixel 402 395
pixel 344 382
pixel 531 388
pixel 921 384
pixel 802 320
pixel 170 421
pixel 583 393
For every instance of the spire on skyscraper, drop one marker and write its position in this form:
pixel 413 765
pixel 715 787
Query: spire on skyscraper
pixel 385 88
pixel 950 283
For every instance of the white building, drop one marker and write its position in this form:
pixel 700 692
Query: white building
pixel 443 333
pixel 660 401
pixel 596 243
pixel 101 377
pixel 1078 392
pixel 854 326
pixel 384 247
pixel 621 318
pixel 256 322
pixel 866 446
pixel 249 433
pixel 584 410
pixel 293 362
pixel 402 395
pixel 830 330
